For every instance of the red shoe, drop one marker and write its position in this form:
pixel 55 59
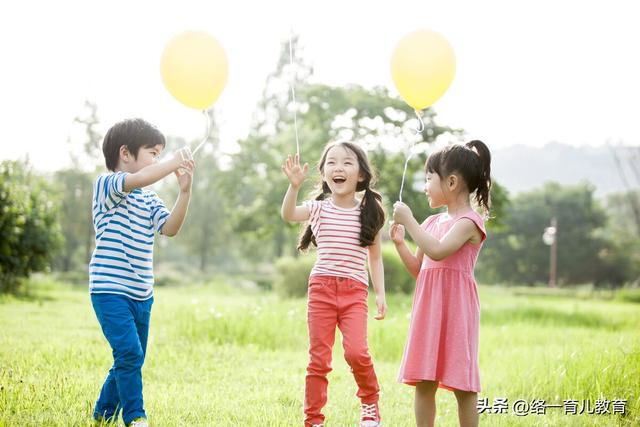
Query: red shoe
pixel 370 415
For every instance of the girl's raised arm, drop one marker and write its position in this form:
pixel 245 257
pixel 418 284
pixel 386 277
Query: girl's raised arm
pixel 296 176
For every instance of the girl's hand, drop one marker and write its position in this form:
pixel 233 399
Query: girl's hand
pixel 382 308
pixel 396 233
pixel 294 172
pixel 401 213
pixel 185 175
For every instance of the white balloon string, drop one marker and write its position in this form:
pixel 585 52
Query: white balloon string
pixel 419 130
pixel 206 135
pixel 293 95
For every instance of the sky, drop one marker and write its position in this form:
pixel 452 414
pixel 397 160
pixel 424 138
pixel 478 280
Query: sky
pixel 528 72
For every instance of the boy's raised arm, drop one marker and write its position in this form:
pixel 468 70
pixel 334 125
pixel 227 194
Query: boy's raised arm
pixel 154 173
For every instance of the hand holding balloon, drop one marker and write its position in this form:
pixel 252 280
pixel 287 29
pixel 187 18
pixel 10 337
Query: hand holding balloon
pixel 183 158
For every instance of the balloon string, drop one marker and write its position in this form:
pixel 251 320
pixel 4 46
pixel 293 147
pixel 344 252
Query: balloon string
pixel 206 135
pixel 419 130
pixel 293 95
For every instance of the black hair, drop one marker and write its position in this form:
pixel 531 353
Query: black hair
pixel 133 134
pixel 371 211
pixel 472 162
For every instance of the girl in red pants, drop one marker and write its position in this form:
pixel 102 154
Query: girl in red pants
pixel 344 222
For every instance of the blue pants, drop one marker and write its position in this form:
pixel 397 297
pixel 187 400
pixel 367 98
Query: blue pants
pixel 125 324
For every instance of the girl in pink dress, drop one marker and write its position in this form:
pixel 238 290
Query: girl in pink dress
pixel 442 346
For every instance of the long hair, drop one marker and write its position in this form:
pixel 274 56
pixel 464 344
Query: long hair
pixel 472 162
pixel 371 211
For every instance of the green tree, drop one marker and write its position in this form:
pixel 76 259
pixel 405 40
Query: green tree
pixel 621 255
pixel 205 234
pixel 74 186
pixel 28 224
pixel 515 253
pixel 381 123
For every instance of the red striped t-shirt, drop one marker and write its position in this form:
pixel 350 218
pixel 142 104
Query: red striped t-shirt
pixel 337 233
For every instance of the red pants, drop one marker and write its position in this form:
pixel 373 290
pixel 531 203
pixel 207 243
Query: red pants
pixel 337 301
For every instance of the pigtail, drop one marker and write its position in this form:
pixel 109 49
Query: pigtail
pixel 371 216
pixel 307 237
pixel 482 196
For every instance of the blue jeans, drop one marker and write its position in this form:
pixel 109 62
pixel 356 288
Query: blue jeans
pixel 125 324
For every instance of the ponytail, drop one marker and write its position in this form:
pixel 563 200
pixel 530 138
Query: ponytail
pixel 371 217
pixel 482 196
pixel 307 237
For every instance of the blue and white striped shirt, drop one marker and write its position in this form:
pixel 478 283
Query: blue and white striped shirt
pixel 125 225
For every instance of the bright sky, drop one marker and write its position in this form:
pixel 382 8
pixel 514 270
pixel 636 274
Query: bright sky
pixel 528 72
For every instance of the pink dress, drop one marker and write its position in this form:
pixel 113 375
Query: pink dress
pixel 445 319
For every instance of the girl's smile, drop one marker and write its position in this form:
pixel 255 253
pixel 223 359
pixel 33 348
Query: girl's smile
pixel 341 171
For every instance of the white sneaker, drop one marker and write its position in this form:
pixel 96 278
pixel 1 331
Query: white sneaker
pixel 370 415
pixel 139 422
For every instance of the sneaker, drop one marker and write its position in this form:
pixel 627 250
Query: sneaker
pixel 317 425
pixel 138 422
pixel 370 415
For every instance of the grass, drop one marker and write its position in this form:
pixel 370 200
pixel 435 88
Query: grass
pixel 219 356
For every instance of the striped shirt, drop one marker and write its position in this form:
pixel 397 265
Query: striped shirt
pixel 124 223
pixel 337 233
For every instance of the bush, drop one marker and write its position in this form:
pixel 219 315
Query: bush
pixel 629 294
pixel 396 277
pixel 28 224
pixel 292 275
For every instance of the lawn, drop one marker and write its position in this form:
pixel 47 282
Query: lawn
pixel 223 356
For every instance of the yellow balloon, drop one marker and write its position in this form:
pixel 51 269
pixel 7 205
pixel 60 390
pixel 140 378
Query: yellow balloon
pixel 194 69
pixel 422 66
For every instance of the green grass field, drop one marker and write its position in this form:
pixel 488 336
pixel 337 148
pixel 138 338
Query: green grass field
pixel 224 357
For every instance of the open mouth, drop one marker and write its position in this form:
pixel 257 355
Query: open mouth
pixel 339 180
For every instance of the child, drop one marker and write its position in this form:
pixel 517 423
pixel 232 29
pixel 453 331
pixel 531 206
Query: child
pixel 442 347
pixel 345 229
pixel 125 217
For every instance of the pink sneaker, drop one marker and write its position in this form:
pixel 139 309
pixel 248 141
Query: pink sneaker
pixel 370 415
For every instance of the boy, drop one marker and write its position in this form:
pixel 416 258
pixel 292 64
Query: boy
pixel 125 218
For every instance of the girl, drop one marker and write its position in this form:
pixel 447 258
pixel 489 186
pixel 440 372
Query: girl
pixel 345 229
pixel 442 347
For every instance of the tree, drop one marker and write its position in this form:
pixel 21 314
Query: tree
pixel 369 116
pixel 206 231
pixel 516 252
pixel 28 224
pixel 621 255
pixel 74 186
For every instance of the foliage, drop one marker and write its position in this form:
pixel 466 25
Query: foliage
pixel 396 277
pixel 292 275
pixel 28 224
pixel 517 254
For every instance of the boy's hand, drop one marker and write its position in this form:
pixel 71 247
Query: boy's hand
pixel 182 155
pixel 294 172
pixel 396 233
pixel 401 213
pixel 382 308
pixel 185 175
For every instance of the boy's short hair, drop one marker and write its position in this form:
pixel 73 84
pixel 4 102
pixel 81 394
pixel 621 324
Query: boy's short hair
pixel 132 133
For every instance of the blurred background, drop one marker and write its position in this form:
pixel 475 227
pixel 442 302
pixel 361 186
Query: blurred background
pixel 551 87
